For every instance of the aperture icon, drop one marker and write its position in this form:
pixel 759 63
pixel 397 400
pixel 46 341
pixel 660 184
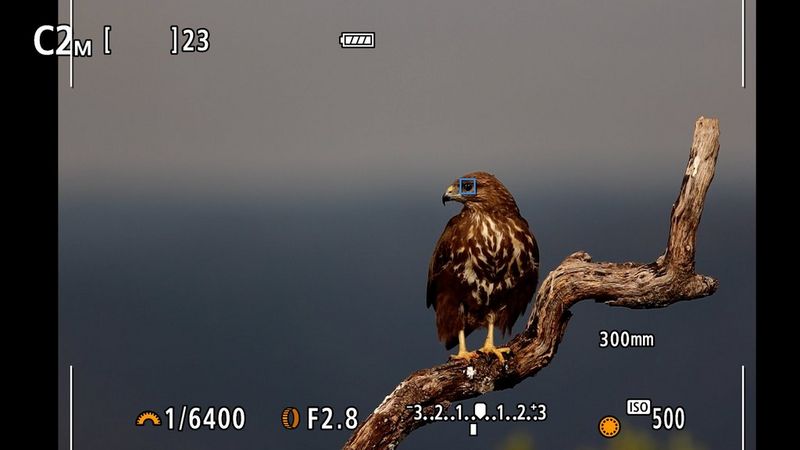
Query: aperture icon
pixel 290 417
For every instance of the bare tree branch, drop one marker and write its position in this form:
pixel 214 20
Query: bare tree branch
pixel 671 278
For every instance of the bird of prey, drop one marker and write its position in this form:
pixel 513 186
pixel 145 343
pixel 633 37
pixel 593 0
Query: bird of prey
pixel 484 268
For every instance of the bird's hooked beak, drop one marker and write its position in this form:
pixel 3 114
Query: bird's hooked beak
pixel 450 194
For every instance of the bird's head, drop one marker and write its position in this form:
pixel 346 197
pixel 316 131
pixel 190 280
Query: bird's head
pixel 479 190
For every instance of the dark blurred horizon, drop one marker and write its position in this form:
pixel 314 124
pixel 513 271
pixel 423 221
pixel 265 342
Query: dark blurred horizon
pixel 269 306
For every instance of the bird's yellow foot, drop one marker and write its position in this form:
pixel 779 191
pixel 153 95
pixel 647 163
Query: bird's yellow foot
pixel 464 355
pixel 497 351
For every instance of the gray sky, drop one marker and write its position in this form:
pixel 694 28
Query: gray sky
pixel 252 225
pixel 564 94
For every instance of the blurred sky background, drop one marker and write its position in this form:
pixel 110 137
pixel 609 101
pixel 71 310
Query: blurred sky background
pixel 252 225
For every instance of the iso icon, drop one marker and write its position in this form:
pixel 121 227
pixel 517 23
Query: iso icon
pixel 357 40
pixel 638 407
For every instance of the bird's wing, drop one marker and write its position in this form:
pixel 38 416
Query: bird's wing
pixel 440 260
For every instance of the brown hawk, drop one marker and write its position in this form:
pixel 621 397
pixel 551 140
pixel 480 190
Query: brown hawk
pixel 484 269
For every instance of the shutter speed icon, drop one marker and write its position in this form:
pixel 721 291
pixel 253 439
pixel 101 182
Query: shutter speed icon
pixel 148 416
pixel 357 40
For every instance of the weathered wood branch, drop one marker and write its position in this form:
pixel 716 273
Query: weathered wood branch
pixel 669 279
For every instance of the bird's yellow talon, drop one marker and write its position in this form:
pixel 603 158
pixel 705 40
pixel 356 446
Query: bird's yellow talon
pixel 497 351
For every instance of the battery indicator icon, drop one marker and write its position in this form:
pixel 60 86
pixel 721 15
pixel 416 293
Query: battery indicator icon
pixel 357 40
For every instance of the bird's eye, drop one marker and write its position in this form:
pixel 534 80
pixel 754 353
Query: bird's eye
pixel 467 187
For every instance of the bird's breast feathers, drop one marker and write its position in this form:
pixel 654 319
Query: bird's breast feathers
pixel 497 253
